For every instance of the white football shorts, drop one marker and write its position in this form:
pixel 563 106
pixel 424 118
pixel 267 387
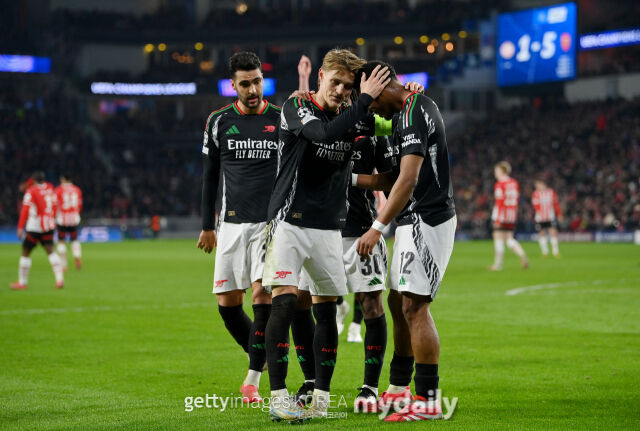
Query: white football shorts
pixel 318 251
pixel 421 254
pixel 239 256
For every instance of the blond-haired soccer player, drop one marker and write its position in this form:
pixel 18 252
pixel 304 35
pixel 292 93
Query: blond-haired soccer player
pixel 307 211
pixel 504 216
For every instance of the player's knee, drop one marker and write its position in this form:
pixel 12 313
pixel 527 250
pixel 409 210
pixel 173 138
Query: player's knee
pixel 414 308
pixel 230 299
pixel 511 242
pixel 371 303
pixel 259 295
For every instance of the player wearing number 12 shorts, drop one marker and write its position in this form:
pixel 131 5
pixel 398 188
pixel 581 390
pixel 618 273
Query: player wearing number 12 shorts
pixel 421 201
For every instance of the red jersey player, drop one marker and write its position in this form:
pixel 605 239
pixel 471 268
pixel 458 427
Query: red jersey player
pixel 37 218
pixel 505 215
pixel 67 219
pixel 547 214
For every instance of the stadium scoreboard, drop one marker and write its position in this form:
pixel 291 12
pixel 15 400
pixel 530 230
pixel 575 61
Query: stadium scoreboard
pixel 537 45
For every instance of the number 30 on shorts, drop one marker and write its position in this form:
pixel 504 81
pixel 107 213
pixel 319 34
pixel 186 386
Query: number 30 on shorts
pixel 367 269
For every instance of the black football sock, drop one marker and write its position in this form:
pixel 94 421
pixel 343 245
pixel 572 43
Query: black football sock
pixel 340 300
pixel 257 351
pixel 283 308
pixel 325 343
pixel 375 344
pixel 426 380
pixel 303 329
pixel 401 370
pixel 237 323
pixel 357 312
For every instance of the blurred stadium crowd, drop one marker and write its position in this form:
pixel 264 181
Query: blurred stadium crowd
pixel 589 152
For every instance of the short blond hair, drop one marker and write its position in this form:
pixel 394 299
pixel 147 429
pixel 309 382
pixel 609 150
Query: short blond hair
pixel 342 59
pixel 505 166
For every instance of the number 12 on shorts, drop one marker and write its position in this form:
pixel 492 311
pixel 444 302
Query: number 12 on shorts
pixel 406 257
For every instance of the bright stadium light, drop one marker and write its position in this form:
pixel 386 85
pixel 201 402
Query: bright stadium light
pixel 424 38
pixel 449 46
pixel 462 34
pixel 162 47
pixel 241 8
pixel 360 41
pixel 398 40
pixel 198 46
pixel 446 36
pixel 148 48
pixel 431 49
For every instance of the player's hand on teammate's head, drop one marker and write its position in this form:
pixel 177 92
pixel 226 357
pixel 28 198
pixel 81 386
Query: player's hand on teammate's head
pixel 414 86
pixel 207 241
pixel 306 95
pixel 374 84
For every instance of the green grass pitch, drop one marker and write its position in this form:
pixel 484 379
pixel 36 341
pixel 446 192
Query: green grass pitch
pixel 137 330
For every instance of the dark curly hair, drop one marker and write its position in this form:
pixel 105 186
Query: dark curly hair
pixel 243 60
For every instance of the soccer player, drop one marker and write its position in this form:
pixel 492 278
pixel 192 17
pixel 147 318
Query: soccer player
pixel 421 201
pixel 366 275
pixel 69 198
pixel 307 210
pixel 37 219
pixel 505 215
pixel 240 150
pixel 547 215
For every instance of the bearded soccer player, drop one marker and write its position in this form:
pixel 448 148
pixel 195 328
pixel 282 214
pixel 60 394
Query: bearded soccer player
pixel 67 220
pixel 547 215
pixel 421 201
pixel 505 215
pixel 307 210
pixel 240 150
pixel 37 219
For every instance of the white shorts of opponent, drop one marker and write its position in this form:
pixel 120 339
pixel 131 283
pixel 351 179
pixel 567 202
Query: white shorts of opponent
pixel 239 256
pixel 317 251
pixel 420 256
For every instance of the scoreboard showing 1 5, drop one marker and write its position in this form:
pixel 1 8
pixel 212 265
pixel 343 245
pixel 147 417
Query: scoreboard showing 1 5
pixel 537 45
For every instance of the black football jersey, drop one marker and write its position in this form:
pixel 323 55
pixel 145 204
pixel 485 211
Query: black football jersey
pixel 371 152
pixel 243 150
pixel 420 130
pixel 314 177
